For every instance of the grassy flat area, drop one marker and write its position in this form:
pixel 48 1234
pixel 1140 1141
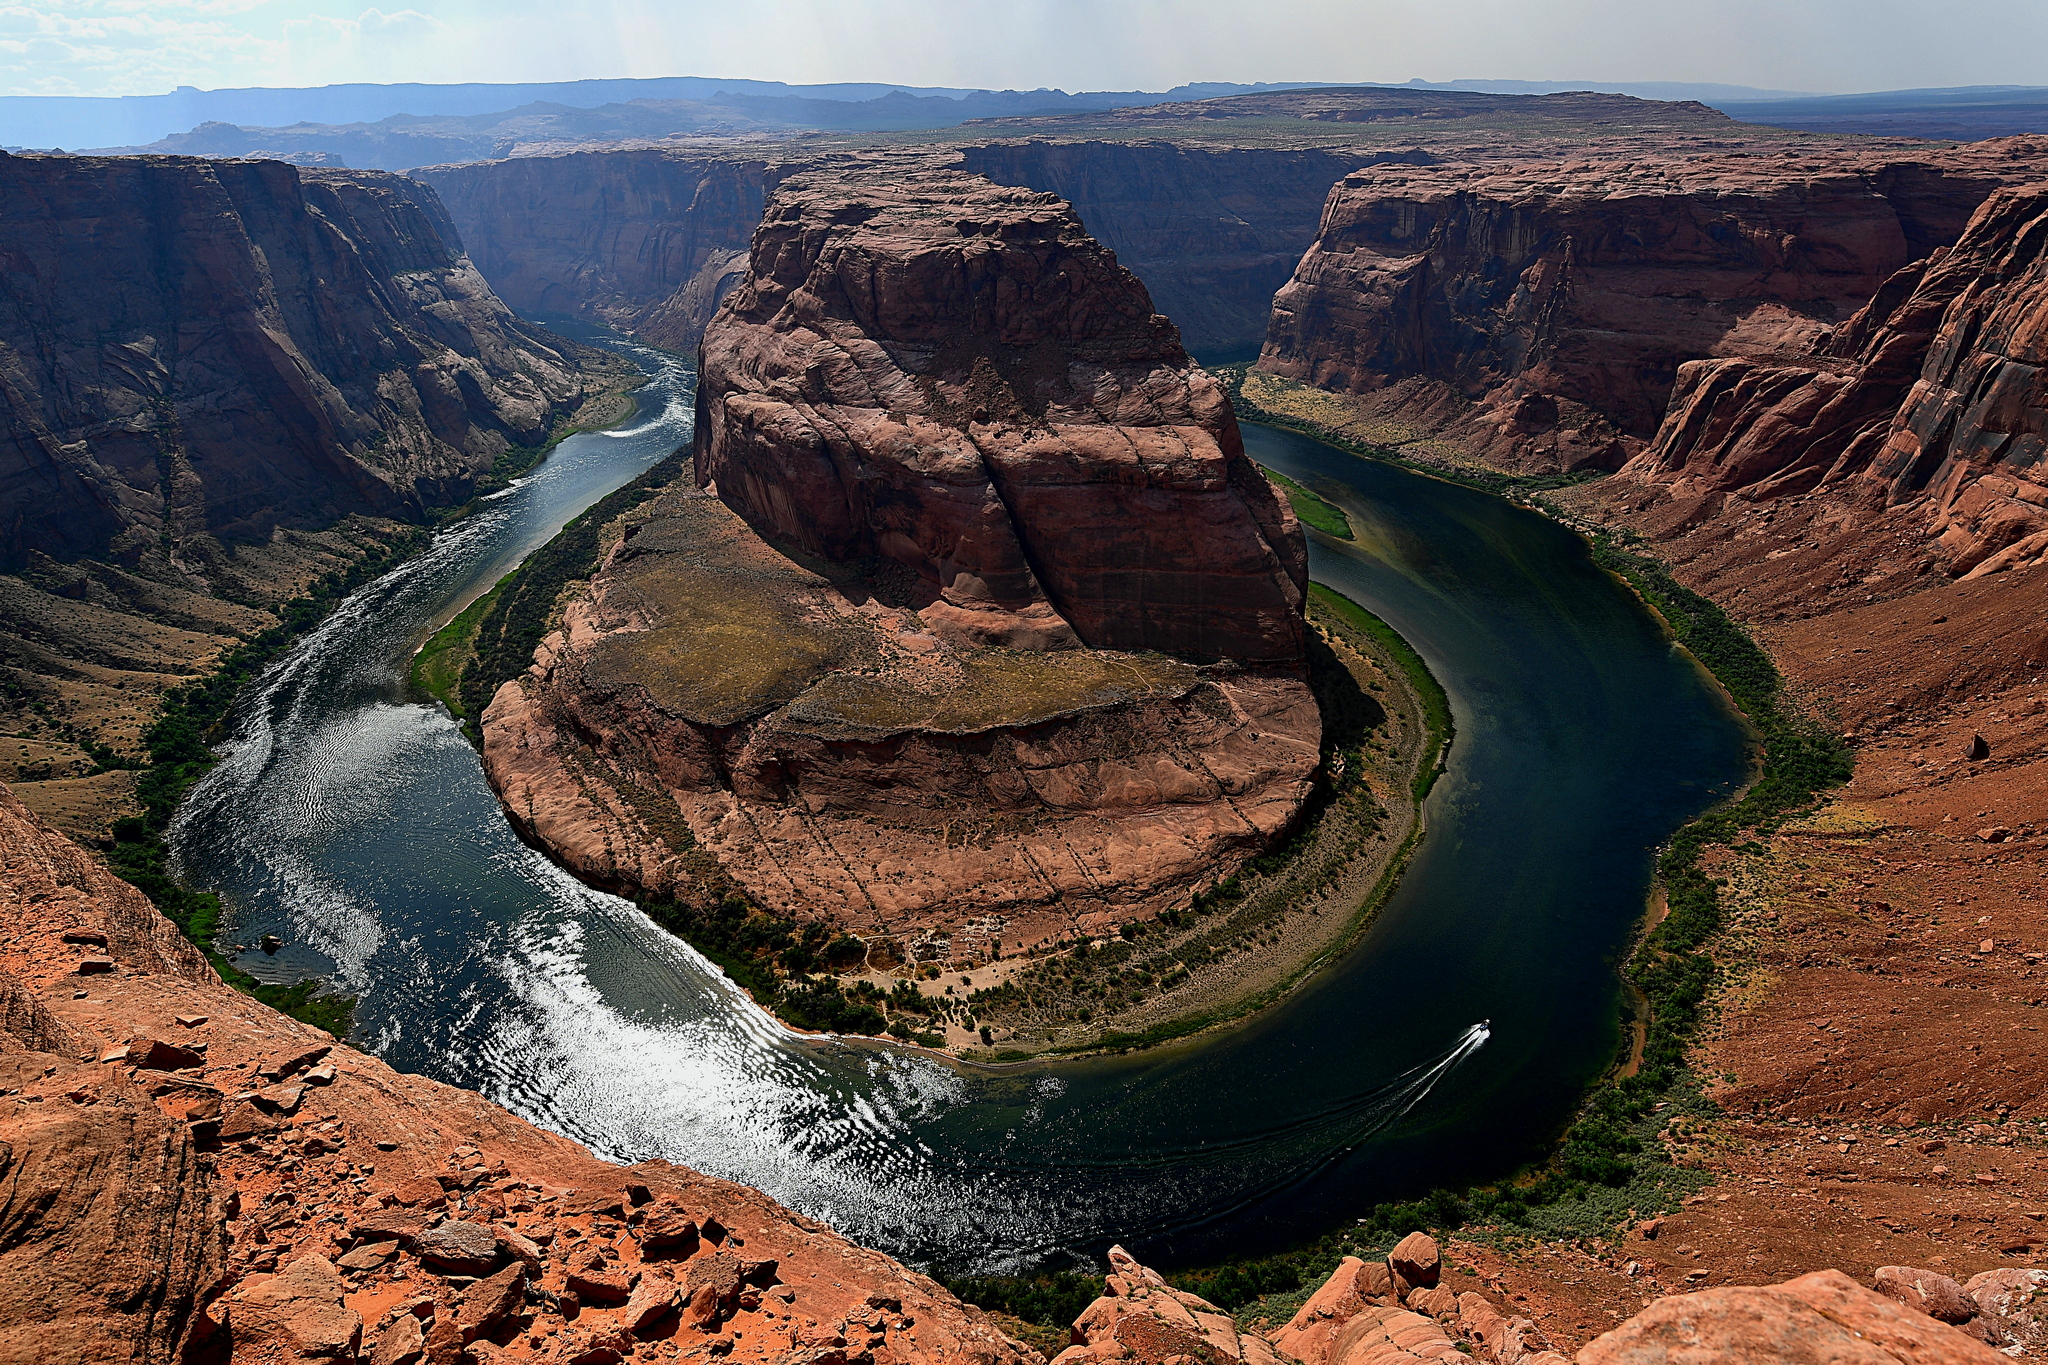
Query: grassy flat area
pixel 437 668
pixel 1324 516
pixel 1436 706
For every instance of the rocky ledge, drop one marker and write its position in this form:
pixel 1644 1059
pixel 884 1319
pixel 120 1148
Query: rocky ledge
pixel 989 618
pixel 1403 1310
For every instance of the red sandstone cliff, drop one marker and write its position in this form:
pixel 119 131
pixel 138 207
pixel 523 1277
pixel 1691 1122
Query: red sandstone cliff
pixel 199 348
pixel 960 379
pixel 928 672
pixel 1904 449
pixel 1535 317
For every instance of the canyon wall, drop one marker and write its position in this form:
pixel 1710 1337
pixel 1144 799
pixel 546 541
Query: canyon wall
pixel 1933 395
pixel 196 349
pixel 1535 316
pixel 990 617
pixel 646 241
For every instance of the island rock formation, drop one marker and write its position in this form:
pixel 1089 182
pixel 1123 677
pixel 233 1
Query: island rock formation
pixel 1535 317
pixel 195 350
pixel 990 617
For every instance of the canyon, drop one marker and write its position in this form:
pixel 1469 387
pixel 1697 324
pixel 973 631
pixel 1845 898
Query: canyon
pixel 978 617
pixel 968 583
pixel 1211 209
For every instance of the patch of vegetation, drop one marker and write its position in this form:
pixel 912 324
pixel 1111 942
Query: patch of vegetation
pixel 1439 728
pixel 437 668
pixel 520 611
pixel 774 959
pixel 178 755
pixel 1324 516
pixel 47 727
pixel 1049 1301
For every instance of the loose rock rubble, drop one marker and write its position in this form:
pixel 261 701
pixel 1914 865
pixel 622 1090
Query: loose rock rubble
pixel 191 1175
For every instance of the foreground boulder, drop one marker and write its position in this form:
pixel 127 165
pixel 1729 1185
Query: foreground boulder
pixel 299 1313
pixel 1140 1318
pixel 1824 1318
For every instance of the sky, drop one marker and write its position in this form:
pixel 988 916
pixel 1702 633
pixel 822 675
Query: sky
pixel 119 47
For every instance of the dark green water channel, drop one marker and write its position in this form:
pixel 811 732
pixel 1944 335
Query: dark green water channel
pixel 353 820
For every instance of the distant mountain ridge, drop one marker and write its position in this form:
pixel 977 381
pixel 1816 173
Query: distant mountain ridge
pixel 80 121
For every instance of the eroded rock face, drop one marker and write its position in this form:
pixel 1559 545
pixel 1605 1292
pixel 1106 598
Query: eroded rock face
pixel 956 377
pixel 1537 317
pixel 1923 423
pixel 213 349
pixel 990 614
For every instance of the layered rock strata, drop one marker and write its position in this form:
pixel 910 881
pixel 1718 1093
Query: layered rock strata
pixel 194 1176
pixel 958 379
pixel 1926 416
pixel 990 615
pixel 195 351
pixel 1535 317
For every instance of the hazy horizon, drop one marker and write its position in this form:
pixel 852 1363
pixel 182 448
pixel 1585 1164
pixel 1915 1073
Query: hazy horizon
pixel 142 47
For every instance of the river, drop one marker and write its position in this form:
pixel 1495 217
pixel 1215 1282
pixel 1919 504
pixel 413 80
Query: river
pixel 353 821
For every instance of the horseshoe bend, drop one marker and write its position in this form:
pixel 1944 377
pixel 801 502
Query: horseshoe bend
pixel 1506 827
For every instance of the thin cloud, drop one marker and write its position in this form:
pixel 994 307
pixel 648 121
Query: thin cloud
pixel 147 46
